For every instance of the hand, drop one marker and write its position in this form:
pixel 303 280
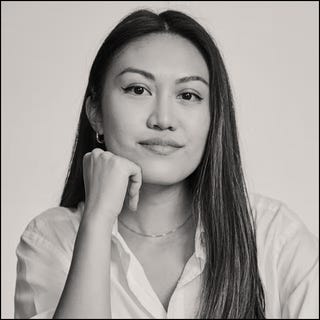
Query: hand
pixel 106 178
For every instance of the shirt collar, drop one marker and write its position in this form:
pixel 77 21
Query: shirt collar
pixel 199 241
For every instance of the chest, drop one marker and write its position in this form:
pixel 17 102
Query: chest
pixel 163 261
pixel 163 273
pixel 164 266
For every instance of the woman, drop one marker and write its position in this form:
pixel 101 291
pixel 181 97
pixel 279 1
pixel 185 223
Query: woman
pixel 155 220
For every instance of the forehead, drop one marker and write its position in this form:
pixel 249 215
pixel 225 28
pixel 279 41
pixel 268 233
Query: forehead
pixel 164 55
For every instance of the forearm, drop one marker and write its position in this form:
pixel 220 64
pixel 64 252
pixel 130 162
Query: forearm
pixel 87 290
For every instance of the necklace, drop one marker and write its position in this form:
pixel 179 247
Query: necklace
pixel 155 235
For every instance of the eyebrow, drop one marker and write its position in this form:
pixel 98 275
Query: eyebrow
pixel 150 76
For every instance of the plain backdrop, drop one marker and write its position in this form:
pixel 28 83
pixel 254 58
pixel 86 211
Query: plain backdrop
pixel 271 52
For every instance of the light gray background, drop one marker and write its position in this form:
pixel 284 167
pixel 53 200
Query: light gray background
pixel 271 52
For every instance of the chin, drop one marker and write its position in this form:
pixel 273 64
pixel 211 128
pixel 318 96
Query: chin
pixel 162 175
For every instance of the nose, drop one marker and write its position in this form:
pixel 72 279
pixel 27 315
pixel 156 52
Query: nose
pixel 162 117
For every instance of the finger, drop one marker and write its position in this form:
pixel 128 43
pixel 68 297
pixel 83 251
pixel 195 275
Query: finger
pixel 133 203
pixel 134 188
pixel 96 152
pixel 135 179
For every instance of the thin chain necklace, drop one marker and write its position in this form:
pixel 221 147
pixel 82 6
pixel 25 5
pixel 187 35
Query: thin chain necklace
pixel 155 235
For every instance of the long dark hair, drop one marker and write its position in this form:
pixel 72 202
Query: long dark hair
pixel 231 285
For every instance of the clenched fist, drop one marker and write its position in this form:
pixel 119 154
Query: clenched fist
pixel 106 179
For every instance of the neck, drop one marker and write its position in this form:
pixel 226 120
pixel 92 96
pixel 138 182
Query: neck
pixel 160 208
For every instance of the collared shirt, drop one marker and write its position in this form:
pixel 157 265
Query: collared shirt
pixel 288 263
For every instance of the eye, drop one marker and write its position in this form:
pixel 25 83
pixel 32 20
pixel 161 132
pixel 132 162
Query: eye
pixel 189 96
pixel 135 90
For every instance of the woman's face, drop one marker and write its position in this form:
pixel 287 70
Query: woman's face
pixel 157 88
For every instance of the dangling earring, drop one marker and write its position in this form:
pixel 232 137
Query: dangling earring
pixel 99 140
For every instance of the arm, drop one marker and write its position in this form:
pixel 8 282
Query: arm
pixel 87 290
pixel 303 301
pixel 42 268
pixel 298 267
pixel 47 285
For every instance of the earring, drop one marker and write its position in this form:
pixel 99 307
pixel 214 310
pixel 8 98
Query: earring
pixel 99 140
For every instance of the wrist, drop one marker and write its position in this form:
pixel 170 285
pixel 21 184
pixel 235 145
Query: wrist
pixel 98 221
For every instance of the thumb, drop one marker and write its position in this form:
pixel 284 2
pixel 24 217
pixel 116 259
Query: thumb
pixel 135 180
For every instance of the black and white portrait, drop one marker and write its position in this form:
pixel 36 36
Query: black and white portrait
pixel 160 159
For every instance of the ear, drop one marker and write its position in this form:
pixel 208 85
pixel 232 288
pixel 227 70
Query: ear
pixel 94 116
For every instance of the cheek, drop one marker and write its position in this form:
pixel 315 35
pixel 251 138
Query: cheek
pixel 120 122
pixel 198 131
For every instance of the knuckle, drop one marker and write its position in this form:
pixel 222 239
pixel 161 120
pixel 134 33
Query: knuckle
pixel 96 151
pixel 87 155
pixel 106 155
pixel 86 158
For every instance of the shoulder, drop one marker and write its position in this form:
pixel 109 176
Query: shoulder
pixel 273 218
pixel 55 227
pixel 284 243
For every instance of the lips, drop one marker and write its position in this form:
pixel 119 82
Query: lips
pixel 161 142
pixel 161 146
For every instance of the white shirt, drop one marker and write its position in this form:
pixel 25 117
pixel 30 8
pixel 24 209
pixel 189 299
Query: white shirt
pixel 288 263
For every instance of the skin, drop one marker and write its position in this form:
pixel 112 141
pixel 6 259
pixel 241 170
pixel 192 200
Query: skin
pixel 157 108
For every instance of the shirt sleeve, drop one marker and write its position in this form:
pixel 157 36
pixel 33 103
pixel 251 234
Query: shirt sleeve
pixel 298 267
pixel 41 274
